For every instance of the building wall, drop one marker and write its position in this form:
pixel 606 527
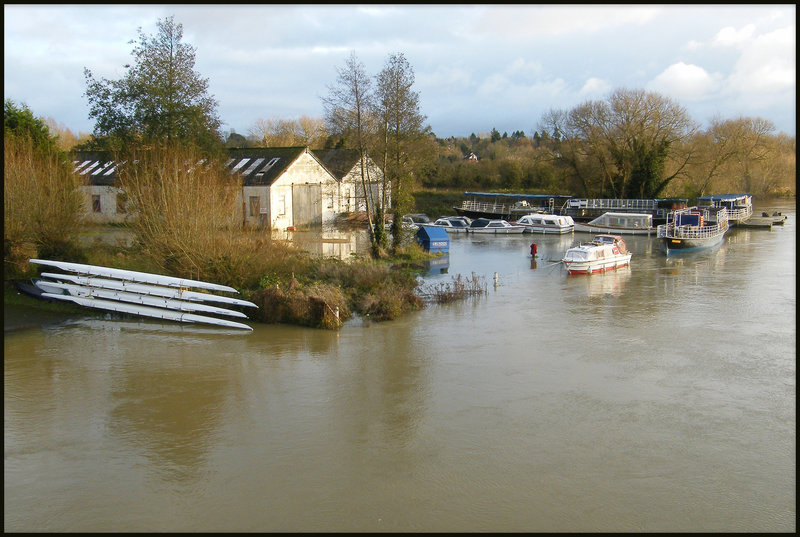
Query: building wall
pixel 305 170
pixel 104 204
pixel 352 189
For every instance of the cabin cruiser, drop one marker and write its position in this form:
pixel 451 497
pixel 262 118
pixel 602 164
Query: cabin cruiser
pixel 619 224
pixel 604 252
pixel 453 224
pixel 496 227
pixel 546 223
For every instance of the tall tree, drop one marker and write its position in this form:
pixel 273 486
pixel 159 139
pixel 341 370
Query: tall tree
pixel 347 113
pixel 401 130
pixel 626 143
pixel 160 98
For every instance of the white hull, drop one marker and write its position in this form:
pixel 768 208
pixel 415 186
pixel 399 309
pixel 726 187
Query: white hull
pixel 133 298
pixel 589 267
pixel 133 276
pixel 548 229
pixel 614 230
pixel 146 311
pixel 143 289
pixel 497 231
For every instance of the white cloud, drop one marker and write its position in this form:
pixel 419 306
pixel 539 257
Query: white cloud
pixel 767 65
pixel 685 81
pixel 526 22
pixel 731 37
pixel 595 87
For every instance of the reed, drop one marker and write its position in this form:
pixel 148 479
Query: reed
pixel 457 288
pixel 42 205
pixel 185 213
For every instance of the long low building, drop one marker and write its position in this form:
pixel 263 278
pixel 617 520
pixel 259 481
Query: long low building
pixel 281 186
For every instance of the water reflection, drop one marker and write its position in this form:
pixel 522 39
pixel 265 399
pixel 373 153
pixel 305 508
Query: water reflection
pixel 606 283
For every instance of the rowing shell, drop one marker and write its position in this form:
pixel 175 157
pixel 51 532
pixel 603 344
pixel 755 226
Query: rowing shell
pixel 144 289
pixel 146 311
pixel 145 300
pixel 133 276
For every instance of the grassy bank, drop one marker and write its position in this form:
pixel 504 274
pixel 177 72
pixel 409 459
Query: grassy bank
pixel 289 285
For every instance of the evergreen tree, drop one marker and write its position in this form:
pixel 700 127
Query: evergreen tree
pixel 160 98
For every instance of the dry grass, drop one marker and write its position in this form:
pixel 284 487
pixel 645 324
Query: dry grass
pixel 42 206
pixel 458 288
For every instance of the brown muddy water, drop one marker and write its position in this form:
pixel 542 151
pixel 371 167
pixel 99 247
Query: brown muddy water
pixel 661 397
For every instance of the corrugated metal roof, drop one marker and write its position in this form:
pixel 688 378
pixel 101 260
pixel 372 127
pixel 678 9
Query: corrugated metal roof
pixel 257 166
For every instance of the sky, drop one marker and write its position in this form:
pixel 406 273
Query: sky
pixel 476 67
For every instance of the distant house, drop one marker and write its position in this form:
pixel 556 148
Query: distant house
pixel 281 186
pixel 345 165
pixel 471 157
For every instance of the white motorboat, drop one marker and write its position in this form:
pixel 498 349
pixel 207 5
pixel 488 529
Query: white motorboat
pixel 605 252
pixel 619 224
pixel 546 223
pixel 494 227
pixel 452 224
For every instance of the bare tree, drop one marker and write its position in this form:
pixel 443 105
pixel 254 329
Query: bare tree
pixel 627 141
pixel 347 113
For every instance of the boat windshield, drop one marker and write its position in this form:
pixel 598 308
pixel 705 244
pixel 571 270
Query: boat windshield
pixel 576 255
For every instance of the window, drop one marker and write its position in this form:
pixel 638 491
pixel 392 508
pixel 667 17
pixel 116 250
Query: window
pixel 96 203
pixel 254 205
pixel 282 204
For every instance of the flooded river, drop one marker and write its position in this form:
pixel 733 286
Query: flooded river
pixel 660 397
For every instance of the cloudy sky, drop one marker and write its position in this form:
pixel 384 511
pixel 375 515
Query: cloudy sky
pixel 477 67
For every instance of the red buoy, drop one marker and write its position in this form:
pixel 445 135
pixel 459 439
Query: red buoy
pixel 533 249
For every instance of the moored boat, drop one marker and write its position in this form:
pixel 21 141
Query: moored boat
pixel 495 227
pixel 546 223
pixel 587 209
pixel 605 252
pixel 693 228
pixel 619 224
pixel 739 206
pixel 502 206
pixel 452 224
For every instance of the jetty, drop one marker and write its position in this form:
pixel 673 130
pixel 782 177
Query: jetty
pixel 763 221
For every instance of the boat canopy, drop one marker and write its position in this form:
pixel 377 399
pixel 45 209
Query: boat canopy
pixel 519 197
pixel 624 220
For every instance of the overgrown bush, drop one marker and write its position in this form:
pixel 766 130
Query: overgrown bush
pixel 42 205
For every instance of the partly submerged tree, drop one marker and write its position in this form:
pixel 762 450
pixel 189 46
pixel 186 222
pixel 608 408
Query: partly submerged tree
pixel 402 137
pixel 160 98
pixel 348 108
